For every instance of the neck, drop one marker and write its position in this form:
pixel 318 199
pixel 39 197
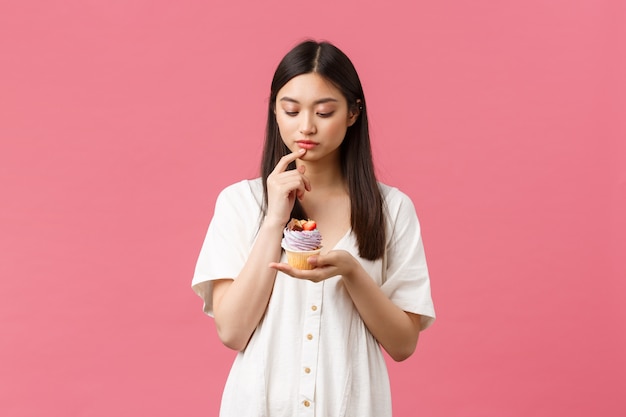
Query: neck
pixel 324 175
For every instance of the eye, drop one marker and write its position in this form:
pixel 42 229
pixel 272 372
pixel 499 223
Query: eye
pixel 325 115
pixel 291 113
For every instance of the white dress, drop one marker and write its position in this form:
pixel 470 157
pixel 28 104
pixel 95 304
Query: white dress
pixel 311 354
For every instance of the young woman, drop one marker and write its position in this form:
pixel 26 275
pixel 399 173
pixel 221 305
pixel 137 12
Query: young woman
pixel 309 341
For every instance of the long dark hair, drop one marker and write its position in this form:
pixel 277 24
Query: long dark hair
pixel 367 211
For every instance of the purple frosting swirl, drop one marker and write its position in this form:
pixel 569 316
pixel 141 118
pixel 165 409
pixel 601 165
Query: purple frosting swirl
pixel 301 240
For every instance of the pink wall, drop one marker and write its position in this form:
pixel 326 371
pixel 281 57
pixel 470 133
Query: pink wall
pixel 121 120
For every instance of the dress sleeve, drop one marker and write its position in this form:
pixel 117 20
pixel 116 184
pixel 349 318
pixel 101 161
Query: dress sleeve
pixel 227 242
pixel 407 282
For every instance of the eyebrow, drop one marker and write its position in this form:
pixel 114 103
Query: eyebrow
pixel 320 101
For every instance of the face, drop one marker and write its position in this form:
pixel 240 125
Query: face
pixel 313 114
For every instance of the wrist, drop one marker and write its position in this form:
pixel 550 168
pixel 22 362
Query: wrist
pixel 352 268
pixel 273 223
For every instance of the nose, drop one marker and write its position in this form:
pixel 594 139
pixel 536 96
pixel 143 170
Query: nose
pixel 307 124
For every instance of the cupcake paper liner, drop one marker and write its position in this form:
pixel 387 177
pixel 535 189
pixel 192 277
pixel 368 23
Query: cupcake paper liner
pixel 298 259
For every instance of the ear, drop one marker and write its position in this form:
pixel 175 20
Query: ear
pixel 354 112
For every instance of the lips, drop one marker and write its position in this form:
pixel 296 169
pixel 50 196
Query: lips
pixel 306 144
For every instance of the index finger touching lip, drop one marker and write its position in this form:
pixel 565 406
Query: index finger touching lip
pixel 289 158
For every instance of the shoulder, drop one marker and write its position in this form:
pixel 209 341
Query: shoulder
pixel 399 209
pixel 394 198
pixel 247 192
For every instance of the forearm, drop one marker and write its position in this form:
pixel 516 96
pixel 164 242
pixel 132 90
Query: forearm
pixel 396 330
pixel 240 304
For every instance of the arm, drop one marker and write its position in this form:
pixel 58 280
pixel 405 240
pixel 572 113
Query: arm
pixel 396 330
pixel 239 305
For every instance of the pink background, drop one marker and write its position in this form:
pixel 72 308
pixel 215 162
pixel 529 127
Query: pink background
pixel 120 120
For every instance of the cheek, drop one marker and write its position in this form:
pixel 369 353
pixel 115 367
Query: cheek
pixel 338 129
pixel 284 128
pixel 284 123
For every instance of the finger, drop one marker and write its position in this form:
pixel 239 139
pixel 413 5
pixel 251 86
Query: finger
pixel 297 183
pixel 285 268
pixel 306 187
pixel 294 181
pixel 290 270
pixel 321 262
pixel 284 162
pixel 305 179
pixel 306 274
pixel 314 260
pixel 328 260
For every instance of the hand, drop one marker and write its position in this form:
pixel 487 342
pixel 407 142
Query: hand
pixel 283 187
pixel 336 262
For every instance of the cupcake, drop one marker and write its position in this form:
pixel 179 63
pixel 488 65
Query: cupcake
pixel 301 239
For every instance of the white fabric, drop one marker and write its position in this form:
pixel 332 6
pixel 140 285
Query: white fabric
pixel 311 354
